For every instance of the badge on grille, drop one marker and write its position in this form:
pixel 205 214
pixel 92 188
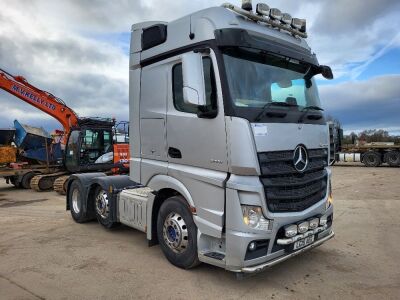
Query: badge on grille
pixel 300 158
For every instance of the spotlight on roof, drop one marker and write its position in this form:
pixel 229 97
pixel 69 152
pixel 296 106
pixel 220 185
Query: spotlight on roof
pixel 247 5
pixel 275 14
pixel 299 24
pixel 262 9
pixel 286 19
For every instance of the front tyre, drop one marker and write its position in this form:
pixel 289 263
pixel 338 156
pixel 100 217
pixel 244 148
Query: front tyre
pixel 102 207
pixel 177 233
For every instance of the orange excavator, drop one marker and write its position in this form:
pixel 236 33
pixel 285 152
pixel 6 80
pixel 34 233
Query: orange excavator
pixel 90 144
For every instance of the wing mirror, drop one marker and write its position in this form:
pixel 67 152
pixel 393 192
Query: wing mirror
pixel 326 71
pixel 193 79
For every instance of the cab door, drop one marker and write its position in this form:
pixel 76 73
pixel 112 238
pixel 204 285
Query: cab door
pixel 194 139
pixel 196 143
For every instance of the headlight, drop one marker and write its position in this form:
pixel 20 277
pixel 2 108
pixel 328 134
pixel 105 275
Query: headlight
pixel 254 218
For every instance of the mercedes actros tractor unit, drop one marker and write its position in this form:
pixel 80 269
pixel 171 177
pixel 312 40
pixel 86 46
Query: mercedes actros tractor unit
pixel 229 146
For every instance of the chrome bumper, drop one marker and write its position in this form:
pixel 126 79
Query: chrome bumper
pixel 271 263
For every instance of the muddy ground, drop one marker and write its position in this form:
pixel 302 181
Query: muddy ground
pixel 45 255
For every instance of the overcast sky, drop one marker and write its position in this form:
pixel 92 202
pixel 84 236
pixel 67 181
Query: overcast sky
pixel 78 50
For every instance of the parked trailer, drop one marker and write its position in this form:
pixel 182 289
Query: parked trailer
pixel 371 155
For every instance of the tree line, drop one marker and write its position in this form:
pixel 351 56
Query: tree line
pixel 370 136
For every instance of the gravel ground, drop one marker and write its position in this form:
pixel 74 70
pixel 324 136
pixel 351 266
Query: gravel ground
pixel 45 255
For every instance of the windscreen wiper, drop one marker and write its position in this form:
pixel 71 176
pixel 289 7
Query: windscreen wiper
pixel 269 104
pixel 306 109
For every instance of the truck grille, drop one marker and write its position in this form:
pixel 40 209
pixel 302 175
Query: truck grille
pixel 286 189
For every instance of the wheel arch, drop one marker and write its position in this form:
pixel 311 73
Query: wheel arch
pixel 165 187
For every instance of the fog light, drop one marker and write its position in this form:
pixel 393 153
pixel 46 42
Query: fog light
pixel 252 246
pixel 323 220
pixel 313 223
pixel 303 227
pixel 290 231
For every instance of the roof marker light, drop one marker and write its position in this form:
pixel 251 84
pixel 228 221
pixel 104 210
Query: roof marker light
pixel 275 14
pixel 247 5
pixel 286 19
pixel 262 9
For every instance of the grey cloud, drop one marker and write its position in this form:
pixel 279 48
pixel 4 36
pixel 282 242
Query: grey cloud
pixel 365 104
pixel 342 16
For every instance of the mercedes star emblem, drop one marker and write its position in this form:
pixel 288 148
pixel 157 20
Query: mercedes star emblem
pixel 300 158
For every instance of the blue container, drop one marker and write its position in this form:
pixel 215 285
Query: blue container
pixel 39 154
pixel 29 138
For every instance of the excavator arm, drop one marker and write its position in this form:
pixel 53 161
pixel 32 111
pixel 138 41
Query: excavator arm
pixel 46 102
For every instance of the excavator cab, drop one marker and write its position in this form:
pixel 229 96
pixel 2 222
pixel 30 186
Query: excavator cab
pixel 90 148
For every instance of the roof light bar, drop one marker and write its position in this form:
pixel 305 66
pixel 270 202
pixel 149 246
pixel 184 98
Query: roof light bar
pixel 262 9
pixel 271 16
pixel 247 5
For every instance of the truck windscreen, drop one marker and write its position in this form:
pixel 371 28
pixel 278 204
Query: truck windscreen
pixel 260 82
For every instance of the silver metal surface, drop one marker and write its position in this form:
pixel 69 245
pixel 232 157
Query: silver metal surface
pixel 132 208
pixel 269 264
pixel 75 201
pixel 102 204
pixel 175 233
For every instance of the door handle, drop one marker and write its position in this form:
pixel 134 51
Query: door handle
pixel 174 153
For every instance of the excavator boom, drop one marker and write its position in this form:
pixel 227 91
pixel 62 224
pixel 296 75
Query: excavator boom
pixel 45 101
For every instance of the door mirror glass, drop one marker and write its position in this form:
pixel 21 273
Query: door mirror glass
pixel 193 79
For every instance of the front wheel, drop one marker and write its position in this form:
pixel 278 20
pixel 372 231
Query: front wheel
pixel 177 233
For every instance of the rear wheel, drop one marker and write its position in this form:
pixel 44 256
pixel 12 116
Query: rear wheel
pixel 102 205
pixel 177 233
pixel 392 158
pixel 76 203
pixel 26 180
pixel 372 159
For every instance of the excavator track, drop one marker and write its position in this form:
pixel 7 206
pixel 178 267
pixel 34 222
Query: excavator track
pixel 60 185
pixel 41 183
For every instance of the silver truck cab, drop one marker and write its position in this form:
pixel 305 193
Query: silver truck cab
pixel 225 121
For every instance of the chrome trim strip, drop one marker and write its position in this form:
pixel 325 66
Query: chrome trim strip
pixel 269 264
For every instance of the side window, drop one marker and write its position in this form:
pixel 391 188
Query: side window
pixel 210 86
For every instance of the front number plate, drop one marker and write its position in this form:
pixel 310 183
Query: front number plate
pixel 304 242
